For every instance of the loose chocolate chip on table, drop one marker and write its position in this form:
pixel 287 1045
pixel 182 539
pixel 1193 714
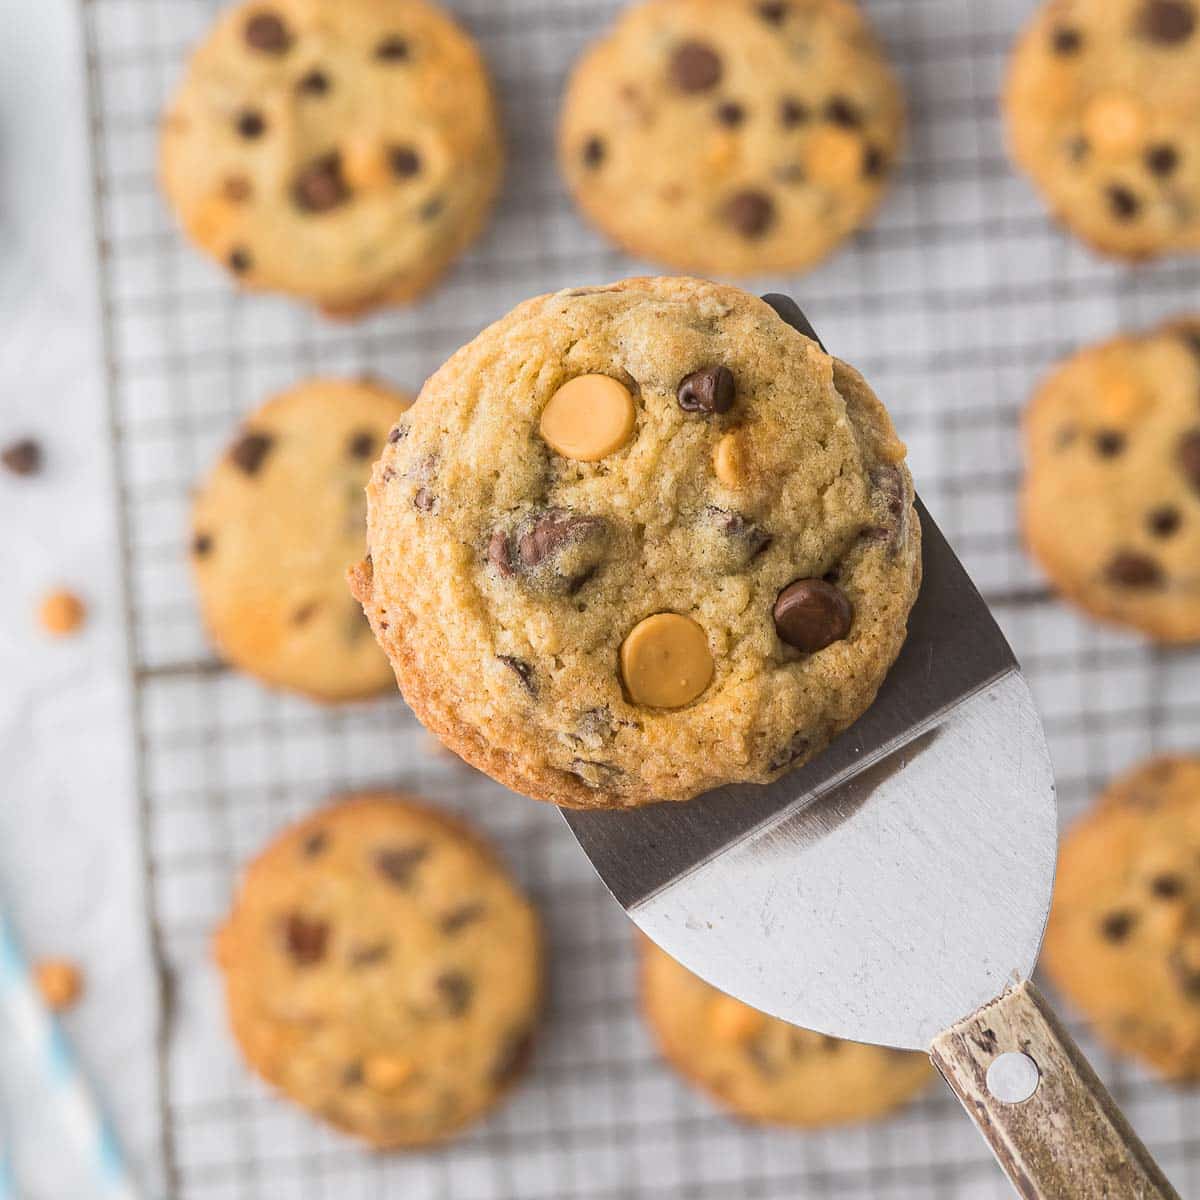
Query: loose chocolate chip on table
pixel 392 49
pixel 248 452
pixel 267 32
pixel 398 864
pixel 730 112
pixel 708 390
pixel 319 187
pixel 22 457
pixel 455 990
pixel 1189 457
pixel 1167 22
pixel 405 161
pixel 522 670
pixel 362 444
pixel 593 152
pixel 305 938
pixel 1123 202
pixel 513 1057
pixel 695 67
pixel 751 213
pixel 1132 570
pixel 459 918
pixel 1117 926
pixel 202 545
pixel 315 843
pixel 1109 443
pixel 1162 160
pixel 1065 40
pixel 811 614
pixel 239 260
pixel 250 124
pixel 1164 522
pixel 1167 887
pixel 792 112
pixel 315 83
pixel 843 112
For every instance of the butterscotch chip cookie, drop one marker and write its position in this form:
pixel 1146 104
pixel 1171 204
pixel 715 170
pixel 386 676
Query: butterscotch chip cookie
pixel 762 1068
pixel 1123 942
pixel 383 971
pixel 274 527
pixel 1103 110
pixel 638 541
pixel 732 136
pixel 344 151
pixel 1111 499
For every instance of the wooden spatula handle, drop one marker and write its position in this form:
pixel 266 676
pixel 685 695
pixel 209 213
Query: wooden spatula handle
pixel 1066 1141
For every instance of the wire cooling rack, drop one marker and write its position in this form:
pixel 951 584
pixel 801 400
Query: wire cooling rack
pixel 953 305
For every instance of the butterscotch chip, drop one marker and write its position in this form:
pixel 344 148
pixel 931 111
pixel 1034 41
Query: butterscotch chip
pixel 762 1068
pixel 383 971
pixel 62 613
pixel 59 981
pixel 589 418
pixel 729 461
pixel 835 155
pixel 665 661
pixel 1114 122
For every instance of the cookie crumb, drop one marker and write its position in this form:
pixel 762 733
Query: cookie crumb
pixel 62 613
pixel 59 981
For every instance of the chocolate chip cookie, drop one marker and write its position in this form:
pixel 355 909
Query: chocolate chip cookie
pixel 1103 110
pixel 638 541
pixel 1123 941
pixel 1111 498
pixel 274 527
pixel 383 971
pixel 762 1068
pixel 732 136
pixel 344 151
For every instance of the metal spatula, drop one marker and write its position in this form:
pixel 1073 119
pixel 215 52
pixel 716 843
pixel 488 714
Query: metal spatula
pixel 895 891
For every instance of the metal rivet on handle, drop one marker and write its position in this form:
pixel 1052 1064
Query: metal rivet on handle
pixel 1013 1077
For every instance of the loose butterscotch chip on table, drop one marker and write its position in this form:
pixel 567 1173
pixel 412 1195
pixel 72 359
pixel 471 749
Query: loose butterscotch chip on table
pixel 641 541
pixel 59 981
pixel 62 613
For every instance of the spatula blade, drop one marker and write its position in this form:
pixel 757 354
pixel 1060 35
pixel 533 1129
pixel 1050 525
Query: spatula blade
pixel 893 885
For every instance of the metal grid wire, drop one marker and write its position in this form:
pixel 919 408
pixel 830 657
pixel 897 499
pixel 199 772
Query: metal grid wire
pixel 953 304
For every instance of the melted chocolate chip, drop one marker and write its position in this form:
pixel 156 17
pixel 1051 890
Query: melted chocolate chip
pixel 556 550
pixel 267 33
pixel 811 614
pixel 695 67
pixel 405 162
pixel 392 49
pixel 844 112
pixel 513 1057
pixel 239 260
pixel 23 457
pixel 1129 569
pixel 319 187
pixel 455 991
pixel 773 13
pixel 1167 22
pixel 361 444
pixel 315 844
pixel 202 545
pixel 1164 522
pixel 792 112
pixel 248 452
pixel 315 83
pixel 398 864
pixel 305 939
pixel 751 537
pixel 751 213
pixel 1109 443
pixel 708 390
pixel 1162 160
pixel 594 152
pixel 522 670
pixel 1117 926
pixel 1065 41
pixel 1167 887
pixel 424 500
pixel 1122 202
pixel 499 553
pixel 730 113
pixel 458 919
pixel 1189 457
pixel 250 124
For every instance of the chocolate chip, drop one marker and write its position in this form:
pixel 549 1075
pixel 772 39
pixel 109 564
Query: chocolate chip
pixel 841 111
pixel 1117 926
pixel 424 500
pixel 1162 160
pixel 455 991
pixel 752 538
pixel 202 545
pixel 1109 443
pixel 1186 976
pixel 239 260
pixel 730 112
pixel 237 189
pixel 695 67
pixel 594 152
pixel 1129 569
pixel 1164 522
pixel 315 844
pixel 708 390
pixel 267 33
pixel 1167 22
pixel 396 434
pixel 352 1074
pixel 433 208
pixel 405 162
pixel 1065 40
pixel 1189 457
pixel 370 956
pixel 459 918
pixel 522 670
pixel 398 864
pixel 319 187
pixel 874 162
pixel 1167 887
pixel 1078 149
pixel 811 614
pixel 392 49
pixel 250 124
pixel 796 749
pixel 751 213
pixel 560 550
pixel 305 938
pixel 315 83
pixel 513 1057
pixel 1123 202
pixel 773 13
pixel 22 457
pixel 499 554
pixel 362 444
pixel 248 452
pixel 792 112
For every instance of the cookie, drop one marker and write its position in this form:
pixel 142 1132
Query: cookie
pixel 638 541
pixel 732 136
pixel 762 1068
pixel 1123 942
pixel 342 151
pixel 1111 498
pixel 1103 113
pixel 382 970
pixel 274 527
